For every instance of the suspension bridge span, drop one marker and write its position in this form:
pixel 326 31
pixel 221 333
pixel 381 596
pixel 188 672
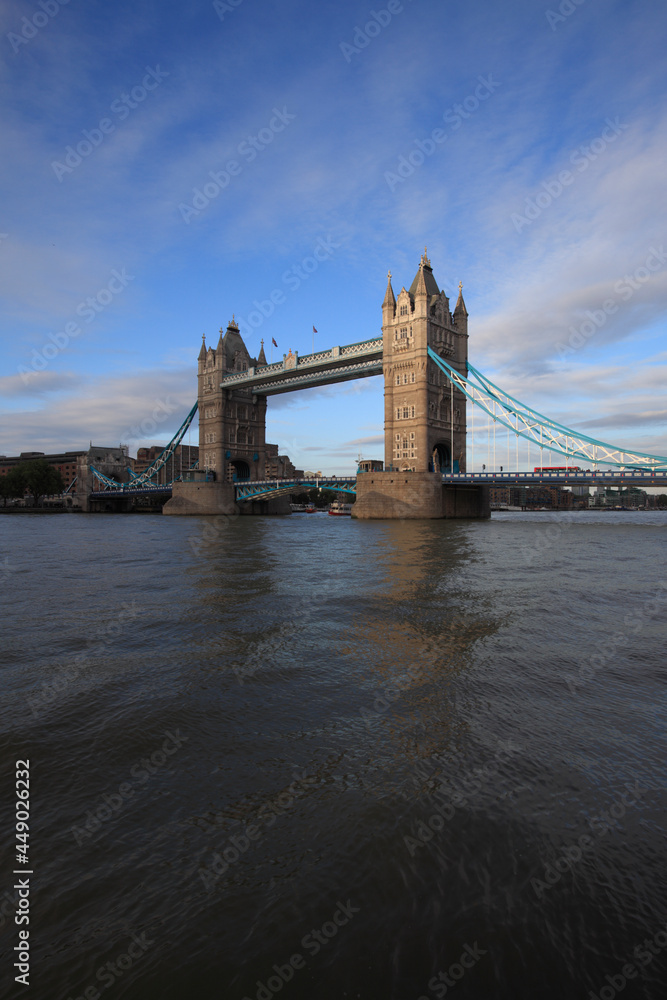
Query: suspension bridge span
pixel 443 419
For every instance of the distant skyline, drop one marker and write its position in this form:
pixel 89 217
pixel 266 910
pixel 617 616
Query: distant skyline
pixel 166 166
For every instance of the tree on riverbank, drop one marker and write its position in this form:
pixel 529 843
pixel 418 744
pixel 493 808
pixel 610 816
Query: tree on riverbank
pixel 12 485
pixel 36 476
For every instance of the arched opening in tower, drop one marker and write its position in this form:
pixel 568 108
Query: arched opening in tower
pixel 240 470
pixel 440 458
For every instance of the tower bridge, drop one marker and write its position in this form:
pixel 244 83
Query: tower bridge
pixel 429 388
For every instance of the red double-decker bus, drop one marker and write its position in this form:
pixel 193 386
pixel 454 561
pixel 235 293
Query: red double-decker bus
pixel 557 468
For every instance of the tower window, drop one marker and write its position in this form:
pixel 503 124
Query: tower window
pixel 398 380
pixel 412 376
pixel 403 311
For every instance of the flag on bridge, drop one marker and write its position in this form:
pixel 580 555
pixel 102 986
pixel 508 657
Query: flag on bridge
pixel 273 342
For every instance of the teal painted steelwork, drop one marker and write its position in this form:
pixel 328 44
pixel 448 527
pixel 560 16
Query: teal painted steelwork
pixel 486 395
pixel 167 452
pixel 275 487
pixel 107 480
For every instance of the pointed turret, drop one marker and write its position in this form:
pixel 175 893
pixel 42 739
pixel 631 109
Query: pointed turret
pixel 389 298
pixel 202 351
pixel 460 307
pixel 261 360
pixel 219 347
pixel 234 351
pixel 389 303
pixel 460 316
pixel 424 282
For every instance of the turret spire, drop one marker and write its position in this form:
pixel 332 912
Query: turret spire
pixel 261 360
pixel 460 307
pixel 389 299
pixel 202 350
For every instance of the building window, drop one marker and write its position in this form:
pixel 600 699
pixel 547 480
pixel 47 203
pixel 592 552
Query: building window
pixel 404 333
pixel 398 437
pixel 412 435
pixel 405 379
pixel 412 411
pixel 403 311
pixel 406 412
pixel 398 413
pixel 398 380
pixel 412 376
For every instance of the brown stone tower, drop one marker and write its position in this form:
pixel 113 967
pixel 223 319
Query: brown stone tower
pixel 231 421
pixel 423 419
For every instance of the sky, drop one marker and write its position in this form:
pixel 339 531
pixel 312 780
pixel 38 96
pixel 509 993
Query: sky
pixel 166 166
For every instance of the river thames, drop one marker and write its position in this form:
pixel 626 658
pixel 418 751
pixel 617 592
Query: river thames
pixel 321 759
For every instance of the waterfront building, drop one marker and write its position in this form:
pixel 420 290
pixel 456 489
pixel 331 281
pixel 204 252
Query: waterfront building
pixel 65 462
pixel 182 459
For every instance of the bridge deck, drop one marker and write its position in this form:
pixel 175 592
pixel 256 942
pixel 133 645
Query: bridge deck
pixel 249 489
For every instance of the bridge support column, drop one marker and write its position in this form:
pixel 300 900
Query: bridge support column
pixel 414 495
pixel 201 498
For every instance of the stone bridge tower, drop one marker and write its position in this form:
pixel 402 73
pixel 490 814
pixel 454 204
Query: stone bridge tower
pixel 232 421
pixel 423 419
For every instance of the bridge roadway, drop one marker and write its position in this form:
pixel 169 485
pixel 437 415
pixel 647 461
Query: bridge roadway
pixel 265 489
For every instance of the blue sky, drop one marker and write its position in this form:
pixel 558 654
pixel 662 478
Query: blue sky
pixel 315 117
